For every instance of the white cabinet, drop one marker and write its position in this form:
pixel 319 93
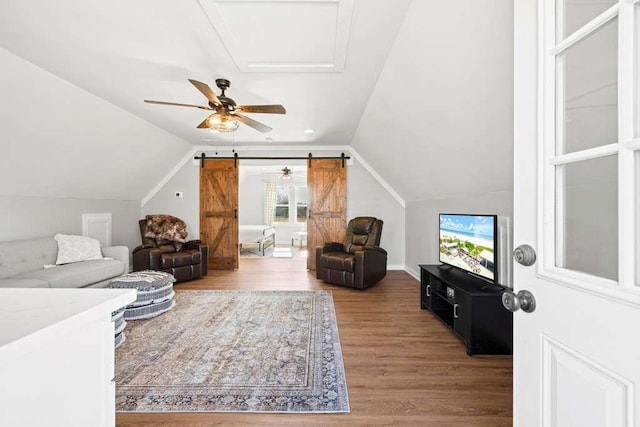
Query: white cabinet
pixel 57 356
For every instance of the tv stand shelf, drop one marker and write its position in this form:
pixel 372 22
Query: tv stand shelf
pixel 471 307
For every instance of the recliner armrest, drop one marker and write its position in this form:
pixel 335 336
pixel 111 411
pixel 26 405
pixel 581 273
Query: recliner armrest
pixel 139 248
pixel 370 266
pixel 333 247
pixel 192 244
pixel 375 249
pixel 146 259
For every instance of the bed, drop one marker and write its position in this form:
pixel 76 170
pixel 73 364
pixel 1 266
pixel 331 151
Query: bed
pixel 262 235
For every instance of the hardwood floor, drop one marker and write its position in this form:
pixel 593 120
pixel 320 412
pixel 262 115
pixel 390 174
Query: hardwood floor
pixel 403 366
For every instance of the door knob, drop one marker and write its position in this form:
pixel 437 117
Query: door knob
pixel 525 255
pixel 522 300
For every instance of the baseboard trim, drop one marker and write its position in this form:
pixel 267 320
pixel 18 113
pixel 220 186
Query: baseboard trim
pixel 395 267
pixel 412 272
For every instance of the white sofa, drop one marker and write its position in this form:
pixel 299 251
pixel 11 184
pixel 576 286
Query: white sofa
pixel 22 266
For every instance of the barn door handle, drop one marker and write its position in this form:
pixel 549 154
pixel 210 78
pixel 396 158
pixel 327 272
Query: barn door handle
pixel 235 213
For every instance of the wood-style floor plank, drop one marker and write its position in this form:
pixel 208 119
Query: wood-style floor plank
pixel 403 366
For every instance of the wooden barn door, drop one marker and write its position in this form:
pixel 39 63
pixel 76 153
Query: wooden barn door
pixel 219 212
pixel 327 192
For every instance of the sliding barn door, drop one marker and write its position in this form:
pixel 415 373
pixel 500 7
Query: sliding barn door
pixel 219 212
pixel 327 192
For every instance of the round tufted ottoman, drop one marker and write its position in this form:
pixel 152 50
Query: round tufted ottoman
pixel 117 317
pixel 155 293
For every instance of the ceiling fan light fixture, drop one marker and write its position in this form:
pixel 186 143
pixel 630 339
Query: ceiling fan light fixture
pixel 286 174
pixel 222 123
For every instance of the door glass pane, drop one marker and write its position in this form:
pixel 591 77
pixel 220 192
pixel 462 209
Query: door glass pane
pixel 572 14
pixel 587 217
pixel 587 92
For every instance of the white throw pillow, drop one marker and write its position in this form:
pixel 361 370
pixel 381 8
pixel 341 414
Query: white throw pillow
pixel 76 248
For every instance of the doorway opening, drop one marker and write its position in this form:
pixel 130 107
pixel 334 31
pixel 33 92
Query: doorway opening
pixel 272 211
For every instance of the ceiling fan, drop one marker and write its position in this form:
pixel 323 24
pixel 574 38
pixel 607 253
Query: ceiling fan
pixel 285 174
pixel 226 113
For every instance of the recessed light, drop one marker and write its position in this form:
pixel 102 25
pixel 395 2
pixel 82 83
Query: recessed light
pixel 268 139
pixel 309 131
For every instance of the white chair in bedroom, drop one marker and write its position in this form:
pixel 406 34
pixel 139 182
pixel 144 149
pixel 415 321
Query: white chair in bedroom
pixel 299 236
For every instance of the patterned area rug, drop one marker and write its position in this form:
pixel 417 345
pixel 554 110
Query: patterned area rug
pixel 235 351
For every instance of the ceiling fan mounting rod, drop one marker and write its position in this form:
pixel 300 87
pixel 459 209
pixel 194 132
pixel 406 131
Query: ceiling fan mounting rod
pixel 223 84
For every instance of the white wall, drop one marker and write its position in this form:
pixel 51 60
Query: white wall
pixel 250 196
pixel 61 141
pixel 440 120
pixel 27 217
pixel 187 208
pixel 423 223
pixel 365 196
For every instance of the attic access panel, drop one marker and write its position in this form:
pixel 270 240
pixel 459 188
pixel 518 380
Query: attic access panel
pixel 283 35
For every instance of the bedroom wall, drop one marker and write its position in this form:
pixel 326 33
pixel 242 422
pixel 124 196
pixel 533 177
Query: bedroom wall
pixel 27 217
pixel 251 193
pixel 365 196
pixel 423 225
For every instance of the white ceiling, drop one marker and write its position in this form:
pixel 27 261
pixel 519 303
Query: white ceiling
pixel 261 36
pixel 421 89
pixel 127 51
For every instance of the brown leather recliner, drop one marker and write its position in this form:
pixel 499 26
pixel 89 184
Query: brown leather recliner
pixel 358 262
pixel 186 261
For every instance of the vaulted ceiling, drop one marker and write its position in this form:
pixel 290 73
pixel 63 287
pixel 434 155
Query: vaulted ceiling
pixel 396 78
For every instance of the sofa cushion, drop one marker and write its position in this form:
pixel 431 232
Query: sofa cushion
pixel 78 274
pixel 21 256
pixel 23 283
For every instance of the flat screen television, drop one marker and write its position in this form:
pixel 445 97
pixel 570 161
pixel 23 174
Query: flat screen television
pixel 470 243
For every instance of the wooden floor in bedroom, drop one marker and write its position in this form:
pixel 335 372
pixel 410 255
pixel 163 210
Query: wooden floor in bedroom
pixel 403 366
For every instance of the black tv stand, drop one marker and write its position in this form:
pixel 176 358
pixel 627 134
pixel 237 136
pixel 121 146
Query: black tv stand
pixel 471 307
pixel 492 288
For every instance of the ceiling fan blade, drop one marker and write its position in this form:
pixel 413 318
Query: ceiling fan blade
pixel 205 123
pixel 270 109
pixel 250 122
pixel 206 91
pixel 179 105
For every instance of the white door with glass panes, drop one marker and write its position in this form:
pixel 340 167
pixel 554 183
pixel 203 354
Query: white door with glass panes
pixel 577 204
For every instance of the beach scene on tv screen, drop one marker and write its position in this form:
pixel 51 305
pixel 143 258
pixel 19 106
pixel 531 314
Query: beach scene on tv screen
pixel 466 242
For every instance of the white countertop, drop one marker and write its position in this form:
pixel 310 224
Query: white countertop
pixel 28 315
